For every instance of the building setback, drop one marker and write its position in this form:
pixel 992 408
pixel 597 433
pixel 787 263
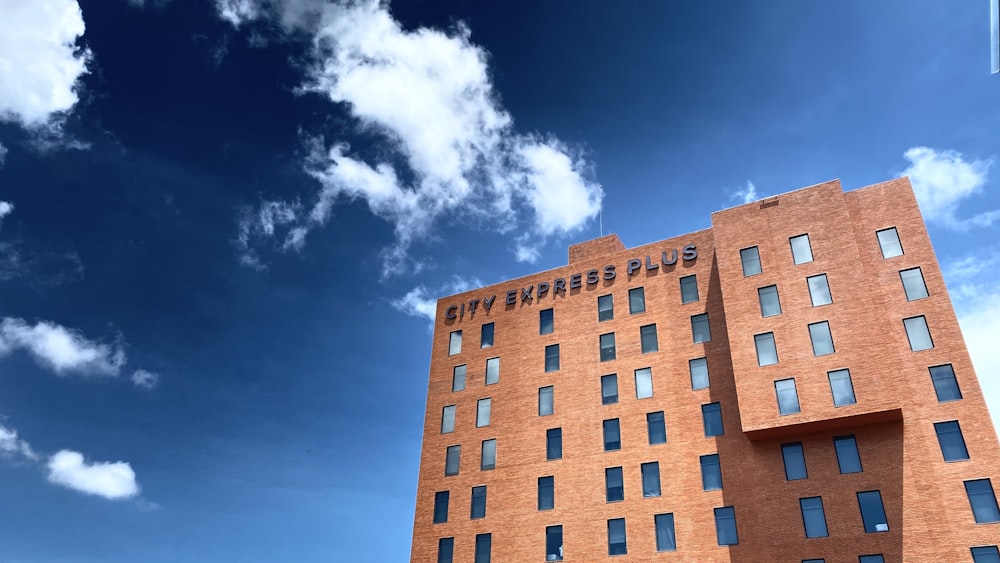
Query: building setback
pixel 788 385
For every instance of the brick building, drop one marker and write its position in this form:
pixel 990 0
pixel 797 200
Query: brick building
pixel 788 385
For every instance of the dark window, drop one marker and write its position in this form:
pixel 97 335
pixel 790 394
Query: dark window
pixel 841 387
pixel 813 517
pixel 650 479
pixel 788 397
pixel 486 336
pixel 492 371
pixel 448 419
pixel 913 284
pixel 666 539
pixel 983 501
pixel 546 493
pixel 656 428
pixel 478 502
pixel 822 340
pixel 616 537
pixel 546 322
pixel 711 473
pixel 455 343
pixel 446 550
pixel 612 435
pixel 848 458
pixel 918 334
pixel 552 357
pixel 553 543
pixel 767 352
pixel 440 507
pixel 488 459
pixel 452 459
pixel 636 300
pixel 484 544
pixel 888 241
pixel 725 526
pixel 607 346
pixel 553 444
pixel 986 554
pixel 877 558
pixel 770 305
pixel 605 308
pixel 609 389
pixel 647 337
pixel 699 328
pixel 801 250
pixel 821 560
pixel 689 289
pixel 945 384
pixel 614 487
pixel 819 290
pixel 751 261
pixel 872 512
pixel 699 373
pixel 711 417
pixel 949 435
pixel 458 378
pixel 546 403
pixel 483 412
pixel 643 383
pixel 795 461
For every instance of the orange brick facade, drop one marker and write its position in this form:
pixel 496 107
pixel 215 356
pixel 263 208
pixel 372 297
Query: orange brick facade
pixel 927 509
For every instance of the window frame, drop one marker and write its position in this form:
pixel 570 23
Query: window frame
pixel 711 472
pixel 546 321
pixel 988 501
pixel 455 377
pixel 725 515
pixel 699 380
pixel 455 343
pixel 610 427
pixel 636 300
pixel 753 259
pixel 842 375
pixel 813 338
pixel 446 550
pixel 484 405
pixel 689 284
pixel 666 534
pixel 650 479
pixel 546 398
pixel 553 444
pixel 441 501
pixel 793 454
pixel 483 333
pixel 484 548
pixel 643 381
pixel 614 492
pixel 760 341
pixel 789 391
pixel 483 465
pixel 841 453
pixel 702 320
pixel 882 245
pixel 922 287
pixel 767 307
pixel 644 335
pixel 445 419
pixel 608 299
pixel 554 534
pixel 622 548
pixel 456 462
pixel 815 507
pixel 713 410
pixel 991 551
pixel 877 524
pixel 652 420
pixel 547 493
pixel 609 399
pixel 820 294
pixel 493 370
pixel 917 321
pixel 949 377
pixel 608 353
pixel 796 258
pixel 552 357
pixel 952 441
pixel 478 494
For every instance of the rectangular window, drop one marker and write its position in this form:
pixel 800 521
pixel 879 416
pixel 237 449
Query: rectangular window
pixel 767 352
pixel 711 417
pixel 458 378
pixel 788 397
pixel 441 507
pixel 483 412
pixel 552 358
pixel 616 537
pixel 813 517
pixel 636 300
pixel 612 435
pixel 656 428
pixel 643 383
pixel 452 459
pixel 918 334
pixel 699 373
pixel 689 289
pixel 605 308
pixel 478 502
pixel 913 284
pixel 725 526
pixel 983 501
pixel 492 371
pixel 877 558
pixel 607 347
pixel 751 261
pixel 486 336
pixel 986 554
pixel 711 473
pixel 448 419
pixel 770 305
pixel 609 389
pixel 949 435
pixel 888 241
pixel 614 485
pixel 666 539
pixel 546 321
pixel 819 290
pixel 553 444
pixel 488 458
pixel 650 479
pixel 647 338
pixel 484 547
pixel 814 560
pixel 553 543
pixel 822 340
pixel 872 512
pixel 455 343
pixel 699 328
pixel 546 402
pixel 945 384
pixel 848 458
pixel 795 461
pixel 446 550
pixel 546 493
pixel 841 387
pixel 801 250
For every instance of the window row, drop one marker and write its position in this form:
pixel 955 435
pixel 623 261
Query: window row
pixel 888 241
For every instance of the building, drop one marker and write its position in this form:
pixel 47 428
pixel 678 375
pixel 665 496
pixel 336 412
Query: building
pixel 788 385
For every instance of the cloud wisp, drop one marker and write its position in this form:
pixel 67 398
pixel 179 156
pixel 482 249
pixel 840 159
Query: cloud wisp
pixel 11 445
pixel 942 180
pixel 422 302
pixel 746 194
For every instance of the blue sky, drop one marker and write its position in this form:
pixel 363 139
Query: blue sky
pixel 223 224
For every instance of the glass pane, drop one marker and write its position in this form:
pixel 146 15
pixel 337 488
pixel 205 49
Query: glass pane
pixel 636 300
pixel 605 308
pixel 666 539
pixel 441 507
pixel 788 399
pixel 458 378
pixel 553 543
pixel 813 517
pixel 607 347
pixel 546 322
pixel 448 419
pixel 986 554
pixel 888 241
pixel 842 388
pixel 952 443
pixel 552 358
pixel 546 493
pixel 872 512
pixel 478 509
pixel 489 457
pixel 483 413
pixel 767 352
pixel 871 559
pixel 446 550
pixel 848 458
pixel 918 334
pixel 801 251
pixel 545 401
pixel 983 501
pixel 822 340
pixel 711 472
pixel 614 484
pixel 616 537
pixel 553 444
pixel 689 289
pixel 643 383
pixel 819 290
pixel 711 415
pixel 612 435
pixel 699 373
pixel 945 384
pixel 647 338
pixel 725 526
pixel 492 371
pixel 913 284
pixel 751 261
pixel 455 343
pixel 609 389
pixel 451 461
pixel 795 461
pixel 650 479
pixel 486 336
pixel 656 428
pixel 699 329
pixel 769 303
pixel 484 544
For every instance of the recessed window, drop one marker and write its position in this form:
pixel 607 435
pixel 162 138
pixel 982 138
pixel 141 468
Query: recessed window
pixel 483 412
pixel 546 322
pixel 609 389
pixel 699 328
pixel 455 343
pixel 552 358
pixel 913 284
pixel 711 473
pixel 767 352
pixel 819 290
pixel 451 460
pixel 801 250
pixel 614 485
pixel 841 387
pixel 872 512
pixel 725 526
pixel 821 560
pixel 488 459
pixel 441 507
pixel 656 428
pixel 478 502
pixel 711 417
pixel 446 550
pixel 949 435
pixel 650 479
pixel 877 558
pixel 813 517
pixel 605 308
pixel 553 543
pixel 986 554
pixel 795 461
pixel 788 397
pixel 751 261
pixel 888 241
pixel 689 289
pixel 486 336
pixel 492 371
pixel 553 444
pixel 770 305
pixel 643 383
pixel 647 338
pixel 546 493
pixel 607 347
pixel 458 378
pixel 484 547
pixel 983 501
pixel 546 404
pixel 918 334
pixel 822 340
pixel 666 539
pixel 945 384
pixel 612 435
pixel 848 458
pixel 448 419
pixel 616 537
pixel 699 373
pixel 636 300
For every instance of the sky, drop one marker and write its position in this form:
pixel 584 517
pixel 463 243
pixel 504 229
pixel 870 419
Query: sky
pixel 224 224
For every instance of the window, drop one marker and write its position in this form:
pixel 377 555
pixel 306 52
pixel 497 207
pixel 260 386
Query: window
pixel 801 250
pixel 795 461
pixel 725 526
pixel 553 543
pixel 699 328
pixel 546 322
pixel 983 501
pixel 871 559
pixel 647 337
pixel 545 401
pixel 455 343
pixel 478 502
pixel 656 428
pixel 483 548
pixel 711 473
pixel 689 289
pixel 616 537
pixel 986 554
pixel 614 488
pixel 841 387
pixel 546 493
pixel 446 550
pixel 711 417
pixel 492 371
pixel 699 373
pixel 440 507
pixel 767 352
pixel 949 435
pixel 888 241
pixel 553 444
pixel 612 435
pixel 945 384
pixel 666 539
pixel 552 358
pixel 848 458
pixel 650 479
pixel 605 308
pixel 751 261
pixel 458 378
pixel 822 340
pixel 488 458
pixel 788 398
pixel 483 412
pixel 819 290
pixel 913 284
pixel 609 389
pixel 918 334
pixel 813 517
pixel 486 336
pixel 636 300
pixel 643 383
pixel 451 460
pixel 814 560
pixel 607 346
pixel 448 419
pixel 769 303
pixel 872 512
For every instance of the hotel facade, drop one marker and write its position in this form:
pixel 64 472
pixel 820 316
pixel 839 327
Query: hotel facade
pixel 789 385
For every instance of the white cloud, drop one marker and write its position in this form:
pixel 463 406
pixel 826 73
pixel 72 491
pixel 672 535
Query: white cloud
pixel 145 379
pixel 525 251
pixel 60 349
pixel 237 12
pixel 5 208
pixel 3 155
pixel 111 480
pixel 421 302
pixel 11 444
pixel 262 223
pixel 746 194
pixel 942 179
